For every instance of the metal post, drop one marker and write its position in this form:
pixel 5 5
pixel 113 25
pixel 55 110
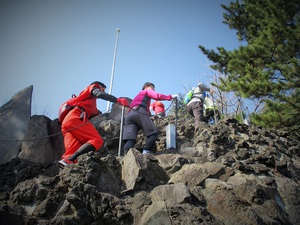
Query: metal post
pixel 113 68
pixel 121 131
pixel 170 136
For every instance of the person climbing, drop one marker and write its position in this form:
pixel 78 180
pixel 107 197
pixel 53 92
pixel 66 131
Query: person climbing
pixel 80 136
pixel 138 118
pixel 211 112
pixel 195 105
pixel 159 108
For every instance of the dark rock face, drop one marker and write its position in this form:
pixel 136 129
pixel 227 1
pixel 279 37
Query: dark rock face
pixel 45 141
pixel 229 173
pixel 14 119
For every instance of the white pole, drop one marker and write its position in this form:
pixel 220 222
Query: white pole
pixel 113 68
pixel 121 131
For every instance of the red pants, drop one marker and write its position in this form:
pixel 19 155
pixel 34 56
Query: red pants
pixel 77 132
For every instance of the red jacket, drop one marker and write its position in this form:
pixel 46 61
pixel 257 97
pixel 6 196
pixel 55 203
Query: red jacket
pixel 158 107
pixel 90 99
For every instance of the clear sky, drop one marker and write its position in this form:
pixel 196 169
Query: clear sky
pixel 61 46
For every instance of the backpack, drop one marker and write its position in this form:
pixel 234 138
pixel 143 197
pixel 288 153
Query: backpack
pixel 66 107
pixel 188 97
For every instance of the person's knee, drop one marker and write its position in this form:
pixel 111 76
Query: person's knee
pixel 153 136
pixel 97 143
pixel 151 139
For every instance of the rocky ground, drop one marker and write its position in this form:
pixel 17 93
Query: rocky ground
pixel 228 173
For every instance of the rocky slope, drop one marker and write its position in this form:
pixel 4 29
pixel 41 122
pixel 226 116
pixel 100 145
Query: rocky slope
pixel 224 174
pixel 229 173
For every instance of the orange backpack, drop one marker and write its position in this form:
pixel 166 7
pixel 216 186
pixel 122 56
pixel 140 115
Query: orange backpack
pixel 67 106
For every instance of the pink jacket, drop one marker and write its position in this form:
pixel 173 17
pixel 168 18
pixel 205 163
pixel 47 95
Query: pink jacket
pixel 144 97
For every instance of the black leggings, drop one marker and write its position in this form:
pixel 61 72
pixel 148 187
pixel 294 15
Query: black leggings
pixel 128 145
pixel 149 145
pixel 150 142
pixel 85 148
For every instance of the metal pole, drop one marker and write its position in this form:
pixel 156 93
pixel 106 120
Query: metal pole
pixel 113 68
pixel 121 131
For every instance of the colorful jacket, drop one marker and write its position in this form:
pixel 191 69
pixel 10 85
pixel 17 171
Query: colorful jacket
pixel 144 97
pixel 198 95
pixel 91 93
pixel 158 107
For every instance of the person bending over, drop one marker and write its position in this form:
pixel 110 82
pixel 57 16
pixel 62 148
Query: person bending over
pixel 80 136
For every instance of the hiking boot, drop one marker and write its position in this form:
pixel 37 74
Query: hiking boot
pixel 146 152
pixel 64 162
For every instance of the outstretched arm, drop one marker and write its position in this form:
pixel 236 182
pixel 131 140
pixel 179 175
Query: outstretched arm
pixel 103 95
pixel 154 95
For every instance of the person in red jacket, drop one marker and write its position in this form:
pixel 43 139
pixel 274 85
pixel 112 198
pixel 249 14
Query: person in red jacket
pixel 159 108
pixel 138 118
pixel 80 136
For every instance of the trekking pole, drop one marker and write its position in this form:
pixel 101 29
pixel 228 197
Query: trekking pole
pixel 121 131
pixel 215 117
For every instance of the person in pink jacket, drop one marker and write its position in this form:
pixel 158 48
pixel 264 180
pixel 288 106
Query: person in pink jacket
pixel 159 108
pixel 138 118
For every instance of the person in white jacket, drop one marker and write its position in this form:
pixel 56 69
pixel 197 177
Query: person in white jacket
pixel 195 105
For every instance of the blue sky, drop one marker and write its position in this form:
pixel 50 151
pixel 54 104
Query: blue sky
pixel 61 46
